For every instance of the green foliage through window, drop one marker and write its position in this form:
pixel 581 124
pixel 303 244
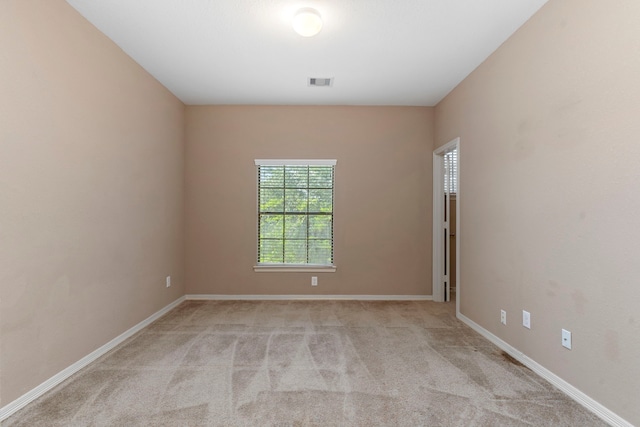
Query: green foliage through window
pixel 295 211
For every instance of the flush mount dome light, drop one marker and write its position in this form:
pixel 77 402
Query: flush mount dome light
pixel 307 22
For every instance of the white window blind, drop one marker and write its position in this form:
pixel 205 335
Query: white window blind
pixel 451 171
pixel 295 212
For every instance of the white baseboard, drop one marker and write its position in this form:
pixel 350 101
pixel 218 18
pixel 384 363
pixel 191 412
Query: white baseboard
pixel 311 297
pixel 33 394
pixel 598 409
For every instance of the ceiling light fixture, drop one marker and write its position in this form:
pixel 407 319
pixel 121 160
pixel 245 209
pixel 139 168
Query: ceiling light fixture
pixel 307 22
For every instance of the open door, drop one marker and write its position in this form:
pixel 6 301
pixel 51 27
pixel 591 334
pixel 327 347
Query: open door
pixel 446 228
pixel 445 187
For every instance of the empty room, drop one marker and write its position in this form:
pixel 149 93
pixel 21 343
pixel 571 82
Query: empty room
pixel 319 213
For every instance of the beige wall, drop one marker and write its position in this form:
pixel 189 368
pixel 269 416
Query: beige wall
pixel 91 176
pixel 550 172
pixel 382 196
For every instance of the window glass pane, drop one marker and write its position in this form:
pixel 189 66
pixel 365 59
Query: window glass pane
pixel 271 250
pixel 271 200
pixel 320 201
pixel 271 176
pixel 271 226
pixel 320 226
pixel 295 214
pixel 295 227
pixel 451 167
pixel 295 251
pixel 295 200
pixel 320 177
pixel 320 251
pixel 296 176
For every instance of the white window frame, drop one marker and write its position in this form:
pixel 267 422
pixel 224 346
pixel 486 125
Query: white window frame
pixel 292 268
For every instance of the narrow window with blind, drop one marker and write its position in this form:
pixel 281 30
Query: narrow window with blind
pixel 451 171
pixel 295 213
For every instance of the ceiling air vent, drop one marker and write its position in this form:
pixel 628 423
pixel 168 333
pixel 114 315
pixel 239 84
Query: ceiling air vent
pixel 317 81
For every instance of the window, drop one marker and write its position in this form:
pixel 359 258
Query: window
pixel 295 213
pixel 451 171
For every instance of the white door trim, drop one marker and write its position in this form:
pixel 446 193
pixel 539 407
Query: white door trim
pixel 438 220
pixel 438 231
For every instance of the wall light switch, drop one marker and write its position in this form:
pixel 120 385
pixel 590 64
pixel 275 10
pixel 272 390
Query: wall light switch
pixel 168 281
pixel 314 281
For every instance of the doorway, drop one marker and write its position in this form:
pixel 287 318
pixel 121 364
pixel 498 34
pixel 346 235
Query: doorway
pixel 446 220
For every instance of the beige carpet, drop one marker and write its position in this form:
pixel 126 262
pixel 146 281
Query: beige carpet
pixel 311 363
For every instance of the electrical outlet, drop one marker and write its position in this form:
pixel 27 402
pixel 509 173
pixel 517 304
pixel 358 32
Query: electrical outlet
pixel 314 281
pixel 168 281
pixel 503 317
pixel 526 319
pixel 566 339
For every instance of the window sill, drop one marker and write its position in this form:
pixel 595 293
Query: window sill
pixel 283 268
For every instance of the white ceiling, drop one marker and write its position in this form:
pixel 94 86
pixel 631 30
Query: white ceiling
pixel 380 52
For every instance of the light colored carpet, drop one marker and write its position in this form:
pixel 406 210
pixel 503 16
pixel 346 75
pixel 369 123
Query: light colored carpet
pixel 305 363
